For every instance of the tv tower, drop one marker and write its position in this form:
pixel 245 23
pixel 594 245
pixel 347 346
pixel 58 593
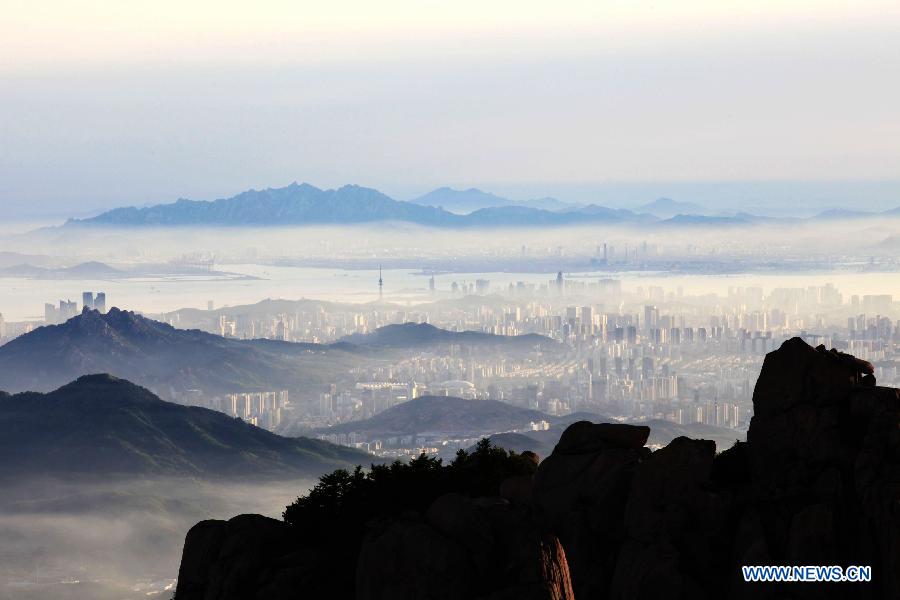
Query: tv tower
pixel 380 285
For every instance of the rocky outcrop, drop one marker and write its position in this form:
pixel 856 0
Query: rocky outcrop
pixel 816 483
pixel 581 491
pixel 824 460
pixel 463 548
pixel 239 559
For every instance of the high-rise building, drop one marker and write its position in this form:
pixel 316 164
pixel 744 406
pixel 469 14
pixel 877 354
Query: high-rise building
pixel 647 367
pixel 67 310
pixel 100 302
pixel 587 319
pixel 651 317
pixel 631 334
pixel 326 405
pixel 87 300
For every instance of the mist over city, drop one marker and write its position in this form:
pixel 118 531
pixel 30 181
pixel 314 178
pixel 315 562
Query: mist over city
pixel 484 300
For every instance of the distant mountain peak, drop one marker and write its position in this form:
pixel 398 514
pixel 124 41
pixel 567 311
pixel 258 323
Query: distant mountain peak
pixel 101 379
pixel 443 413
pixel 109 386
pixel 665 207
pixel 460 201
pixel 304 185
pixel 100 425
pixel 133 347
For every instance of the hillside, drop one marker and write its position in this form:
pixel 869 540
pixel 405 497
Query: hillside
pixel 442 414
pixel 424 334
pixel 101 425
pixel 158 356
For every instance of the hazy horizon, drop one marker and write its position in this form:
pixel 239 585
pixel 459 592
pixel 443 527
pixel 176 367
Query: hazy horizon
pixel 764 198
pixel 729 104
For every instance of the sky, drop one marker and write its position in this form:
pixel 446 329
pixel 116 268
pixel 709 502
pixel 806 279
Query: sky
pixel 770 104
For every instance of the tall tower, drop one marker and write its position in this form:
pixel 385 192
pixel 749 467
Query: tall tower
pixel 380 285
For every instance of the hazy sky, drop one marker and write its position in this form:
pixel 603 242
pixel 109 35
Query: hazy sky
pixel 111 103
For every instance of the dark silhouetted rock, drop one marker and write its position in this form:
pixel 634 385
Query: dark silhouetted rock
pixel 463 549
pixel 584 436
pixel 673 520
pixel 518 489
pixel 233 560
pixel 582 489
pixel 824 451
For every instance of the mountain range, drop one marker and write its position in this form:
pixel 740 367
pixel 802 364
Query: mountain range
pixel 424 334
pixel 160 357
pixel 104 426
pixel 304 204
pixel 172 361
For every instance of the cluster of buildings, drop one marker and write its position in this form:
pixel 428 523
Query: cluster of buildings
pixel 66 309
pixel 645 353
pixel 262 409
pixel 9 330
